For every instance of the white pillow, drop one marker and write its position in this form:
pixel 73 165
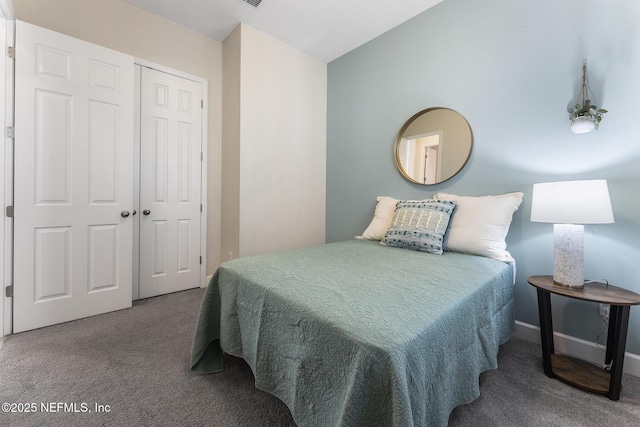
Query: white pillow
pixel 479 225
pixel 381 219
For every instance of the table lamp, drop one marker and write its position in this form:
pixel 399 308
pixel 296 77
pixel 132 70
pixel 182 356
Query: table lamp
pixel 568 205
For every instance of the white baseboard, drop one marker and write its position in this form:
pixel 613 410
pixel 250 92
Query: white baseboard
pixel 576 347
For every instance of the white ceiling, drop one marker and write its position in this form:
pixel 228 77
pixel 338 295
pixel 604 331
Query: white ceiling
pixel 326 29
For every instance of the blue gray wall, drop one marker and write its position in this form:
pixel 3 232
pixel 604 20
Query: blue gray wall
pixel 512 68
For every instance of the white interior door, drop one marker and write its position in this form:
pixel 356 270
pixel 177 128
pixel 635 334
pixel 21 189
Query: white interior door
pixel 73 178
pixel 431 165
pixel 170 183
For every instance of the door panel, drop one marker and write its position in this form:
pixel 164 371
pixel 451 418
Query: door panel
pixel 52 124
pixel 52 263
pixel 170 181
pixel 103 257
pixel 73 175
pixel 103 153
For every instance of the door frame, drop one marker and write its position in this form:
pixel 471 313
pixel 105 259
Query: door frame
pixel 7 38
pixel 203 168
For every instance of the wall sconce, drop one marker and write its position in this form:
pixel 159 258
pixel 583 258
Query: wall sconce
pixel 585 116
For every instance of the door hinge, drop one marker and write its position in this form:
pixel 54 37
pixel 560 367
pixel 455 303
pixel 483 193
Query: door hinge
pixel 8 291
pixel 9 212
pixel 201 156
pixel 202 104
pixel 10 132
pixel 200 207
pixel 11 52
pixel 200 259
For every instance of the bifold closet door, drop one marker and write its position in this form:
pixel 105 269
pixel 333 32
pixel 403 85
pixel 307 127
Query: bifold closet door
pixel 73 175
pixel 170 183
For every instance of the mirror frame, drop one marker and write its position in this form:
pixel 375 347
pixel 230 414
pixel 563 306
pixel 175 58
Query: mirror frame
pixel 404 128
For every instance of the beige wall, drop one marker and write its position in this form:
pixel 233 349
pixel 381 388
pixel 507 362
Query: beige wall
pixel 231 146
pixel 120 26
pixel 281 143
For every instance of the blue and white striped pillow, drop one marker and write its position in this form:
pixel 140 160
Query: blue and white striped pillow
pixel 419 225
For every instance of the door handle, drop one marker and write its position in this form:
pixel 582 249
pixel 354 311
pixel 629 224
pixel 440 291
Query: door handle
pixel 124 214
pixel 146 212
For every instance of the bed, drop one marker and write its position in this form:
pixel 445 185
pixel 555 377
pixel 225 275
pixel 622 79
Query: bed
pixel 355 333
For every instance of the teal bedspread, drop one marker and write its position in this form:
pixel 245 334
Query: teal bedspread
pixel 357 334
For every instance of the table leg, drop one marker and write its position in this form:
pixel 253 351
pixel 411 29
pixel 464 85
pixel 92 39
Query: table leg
pixel 614 314
pixel 618 327
pixel 546 330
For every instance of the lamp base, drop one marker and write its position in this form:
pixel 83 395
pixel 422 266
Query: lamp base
pixel 568 255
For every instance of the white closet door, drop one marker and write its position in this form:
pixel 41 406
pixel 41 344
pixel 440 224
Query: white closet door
pixel 73 178
pixel 170 171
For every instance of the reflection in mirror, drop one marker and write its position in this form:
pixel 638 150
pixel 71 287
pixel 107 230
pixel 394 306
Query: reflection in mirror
pixel 433 145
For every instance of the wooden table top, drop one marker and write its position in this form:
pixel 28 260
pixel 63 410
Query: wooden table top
pixel 592 291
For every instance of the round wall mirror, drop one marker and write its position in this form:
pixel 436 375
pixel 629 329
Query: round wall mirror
pixel 433 145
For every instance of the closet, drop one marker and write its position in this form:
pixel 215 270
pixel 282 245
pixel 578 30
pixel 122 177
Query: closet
pixel 108 199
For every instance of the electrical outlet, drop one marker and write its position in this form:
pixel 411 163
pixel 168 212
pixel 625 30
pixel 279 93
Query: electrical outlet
pixel 231 257
pixel 604 311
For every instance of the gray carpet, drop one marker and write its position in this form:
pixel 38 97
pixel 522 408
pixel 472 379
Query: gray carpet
pixel 136 362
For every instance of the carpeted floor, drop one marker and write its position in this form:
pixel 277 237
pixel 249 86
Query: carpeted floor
pixel 135 364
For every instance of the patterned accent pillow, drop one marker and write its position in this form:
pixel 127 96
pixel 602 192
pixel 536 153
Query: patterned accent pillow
pixel 419 225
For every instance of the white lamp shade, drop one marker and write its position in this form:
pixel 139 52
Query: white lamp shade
pixel 572 202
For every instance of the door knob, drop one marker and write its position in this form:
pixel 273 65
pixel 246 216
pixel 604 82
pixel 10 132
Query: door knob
pixel 146 212
pixel 124 214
